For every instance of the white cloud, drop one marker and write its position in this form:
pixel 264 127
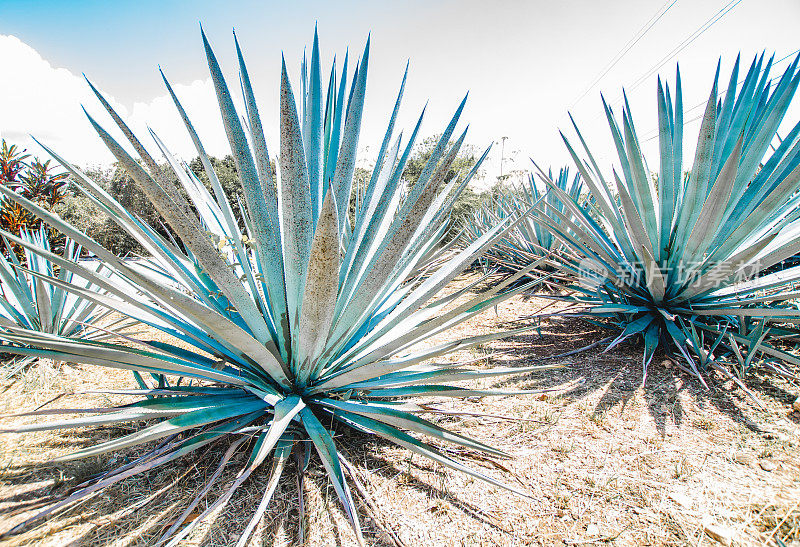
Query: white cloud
pixel 159 114
pixel 45 102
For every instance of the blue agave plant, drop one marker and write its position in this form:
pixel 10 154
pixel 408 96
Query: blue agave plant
pixel 530 240
pixel 307 318
pixel 676 261
pixel 28 302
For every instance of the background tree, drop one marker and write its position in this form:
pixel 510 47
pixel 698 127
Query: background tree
pixel 227 174
pixel 465 161
pixel 83 213
pixel 469 200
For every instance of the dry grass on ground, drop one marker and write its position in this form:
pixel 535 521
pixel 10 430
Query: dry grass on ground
pixel 606 460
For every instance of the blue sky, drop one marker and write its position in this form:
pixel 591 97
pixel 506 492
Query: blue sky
pixel 524 63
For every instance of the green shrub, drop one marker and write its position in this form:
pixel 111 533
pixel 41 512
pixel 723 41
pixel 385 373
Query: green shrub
pixel 35 180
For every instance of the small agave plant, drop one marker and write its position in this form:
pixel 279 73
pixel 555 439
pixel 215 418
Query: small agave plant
pixel 29 303
pixel 297 320
pixel 530 240
pixel 673 255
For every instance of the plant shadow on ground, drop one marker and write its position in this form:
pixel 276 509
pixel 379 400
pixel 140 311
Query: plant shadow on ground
pixel 618 372
pixel 137 508
pixel 141 508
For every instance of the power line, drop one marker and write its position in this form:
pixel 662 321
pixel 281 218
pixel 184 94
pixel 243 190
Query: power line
pixel 677 49
pixel 686 42
pixel 644 29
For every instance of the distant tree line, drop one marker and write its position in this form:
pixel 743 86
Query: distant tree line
pixel 42 183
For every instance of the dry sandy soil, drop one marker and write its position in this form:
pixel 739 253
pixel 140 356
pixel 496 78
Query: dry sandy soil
pixel 605 459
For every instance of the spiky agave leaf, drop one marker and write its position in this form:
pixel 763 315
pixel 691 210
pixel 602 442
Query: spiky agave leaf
pixel 307 317
pixel 529 241
pixel 27 301
pixel 676 261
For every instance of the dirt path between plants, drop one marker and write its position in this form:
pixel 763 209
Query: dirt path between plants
pixel 606 461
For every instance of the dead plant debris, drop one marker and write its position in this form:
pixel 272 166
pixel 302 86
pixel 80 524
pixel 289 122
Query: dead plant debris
pixel 606 460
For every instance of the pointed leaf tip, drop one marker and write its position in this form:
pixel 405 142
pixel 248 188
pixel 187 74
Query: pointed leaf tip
pixel 91 85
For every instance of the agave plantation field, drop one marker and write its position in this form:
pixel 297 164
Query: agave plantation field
pixel 320 355
pixel 607 461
